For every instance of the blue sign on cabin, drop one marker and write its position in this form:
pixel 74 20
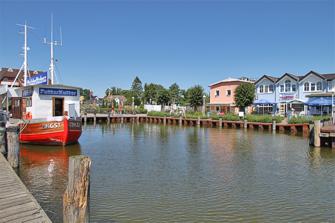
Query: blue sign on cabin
pixel 58 91
pixel 41 78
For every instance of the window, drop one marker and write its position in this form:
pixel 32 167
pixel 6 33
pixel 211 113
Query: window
pixel 217 93
pixel 261 89
pixel 319 86
pixel 294 87
pixel 306 86
pixel 228 92
pixel 282 88
pixel 312 86
pixel 28 102
pixel 266 90
pixel 271 88
pixel 287 86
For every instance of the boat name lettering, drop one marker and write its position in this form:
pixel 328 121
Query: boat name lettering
pixel 52 125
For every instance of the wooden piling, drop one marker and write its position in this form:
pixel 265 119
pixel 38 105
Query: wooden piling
pixel 3 139
pixel 76 196
pixel 180 121
pixel 245 123
pixel 198 121
pixel 85 119
pixel 122 119
pixel 274 127
pixel 95 119
pixel 138 119
pixel 220 123
pixel 317 129
pixel 108 118
pixel 164 120
pixel 13 146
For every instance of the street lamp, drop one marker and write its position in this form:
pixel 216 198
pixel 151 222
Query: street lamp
pixel 204 104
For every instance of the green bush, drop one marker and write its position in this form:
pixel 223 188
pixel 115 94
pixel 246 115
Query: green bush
pixel 307 119
pixel 195 115
pixel 227 117
pixel 264 118
pixel 157 113
pixel 140 110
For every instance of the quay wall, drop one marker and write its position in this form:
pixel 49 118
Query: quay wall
pixel 292 129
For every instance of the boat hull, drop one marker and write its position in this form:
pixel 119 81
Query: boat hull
pixel 63 132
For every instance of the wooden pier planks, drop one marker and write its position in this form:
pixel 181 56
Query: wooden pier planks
pixel 16 202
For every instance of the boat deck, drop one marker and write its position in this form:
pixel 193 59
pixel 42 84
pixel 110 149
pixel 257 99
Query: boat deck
pixel 16 202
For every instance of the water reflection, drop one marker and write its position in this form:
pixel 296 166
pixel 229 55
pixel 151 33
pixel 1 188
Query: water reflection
pixel 156 173
pixel 43 170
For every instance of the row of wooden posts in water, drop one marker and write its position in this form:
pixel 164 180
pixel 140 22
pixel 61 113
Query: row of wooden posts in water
pixel 182 121
pixel 76 195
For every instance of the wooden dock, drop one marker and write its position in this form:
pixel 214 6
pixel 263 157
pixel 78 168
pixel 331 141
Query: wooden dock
pixel 16 202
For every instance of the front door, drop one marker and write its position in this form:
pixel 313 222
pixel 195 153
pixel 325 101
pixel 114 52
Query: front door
pixel 58 106
pixel 16 108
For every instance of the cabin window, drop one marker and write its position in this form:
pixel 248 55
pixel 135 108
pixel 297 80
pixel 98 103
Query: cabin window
pixel 58 106
pixel 318 86
pixel 28 102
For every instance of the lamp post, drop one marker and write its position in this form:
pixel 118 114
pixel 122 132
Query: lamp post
pixel 204 104
pixel 133 104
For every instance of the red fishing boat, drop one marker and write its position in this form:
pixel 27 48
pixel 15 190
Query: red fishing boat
pixel 48 113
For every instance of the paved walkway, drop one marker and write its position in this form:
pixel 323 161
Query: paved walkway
pixel 16 202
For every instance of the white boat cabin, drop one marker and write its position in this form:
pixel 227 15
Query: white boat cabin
pixel 45 101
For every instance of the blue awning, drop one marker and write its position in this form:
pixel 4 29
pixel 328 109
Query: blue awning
pixel 263 101
pixel 319 101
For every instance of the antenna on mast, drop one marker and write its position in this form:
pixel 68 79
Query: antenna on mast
pixel 52 43
pixel 25 54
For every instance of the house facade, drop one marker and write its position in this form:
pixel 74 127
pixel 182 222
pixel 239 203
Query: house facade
pixel 310 94
pixel 222 95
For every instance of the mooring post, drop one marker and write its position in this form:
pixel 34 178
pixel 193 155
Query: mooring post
pixel 138 119
pixel 122 119
pixel 274 126
pixel 108 117
pixel 198 121
pixel 164 120
pixel 95 119
pixel 180 120
pixel 76 196
pixel 245 123
pixel 317 130
pixel 13 146
pixel 3 138
pixel 85 119
pixel 220 122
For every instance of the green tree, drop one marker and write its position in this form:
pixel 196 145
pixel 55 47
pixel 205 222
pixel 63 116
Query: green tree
pixel 113 91
pixel 244 95
pixel 150 93
pixel 137 90
pixel 174 91
pixel 86 93
pixel 194 96
pixel 163 97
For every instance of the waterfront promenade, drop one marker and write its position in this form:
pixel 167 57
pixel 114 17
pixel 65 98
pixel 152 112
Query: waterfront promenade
pixel 16 202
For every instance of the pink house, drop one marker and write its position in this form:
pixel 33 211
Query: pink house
pixel 222 97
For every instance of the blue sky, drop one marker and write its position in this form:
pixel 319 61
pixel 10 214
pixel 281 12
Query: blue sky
pixel 108 43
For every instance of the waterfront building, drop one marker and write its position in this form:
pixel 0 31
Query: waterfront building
pixel 310 94
pixel 222 95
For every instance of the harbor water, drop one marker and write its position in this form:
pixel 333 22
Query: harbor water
pixel 156 173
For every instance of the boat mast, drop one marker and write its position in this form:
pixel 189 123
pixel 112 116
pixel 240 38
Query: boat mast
pixel 25 56
pixel 52 43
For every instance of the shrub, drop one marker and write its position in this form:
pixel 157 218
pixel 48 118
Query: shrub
pixel 307 119
pixel 264 118
pixel 157 113
pixel 195 115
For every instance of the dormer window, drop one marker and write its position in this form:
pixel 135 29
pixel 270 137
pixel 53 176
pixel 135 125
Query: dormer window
pixel 306 86
pixel 10 70
pixel 319 86
pixel 261 89
pixel 312 86
pixel 294 87
pixel 287 86
pixel 281 88
pixel 271 88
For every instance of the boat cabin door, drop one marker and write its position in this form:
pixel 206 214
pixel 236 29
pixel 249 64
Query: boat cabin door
pixel 58 106
pixel 16 108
